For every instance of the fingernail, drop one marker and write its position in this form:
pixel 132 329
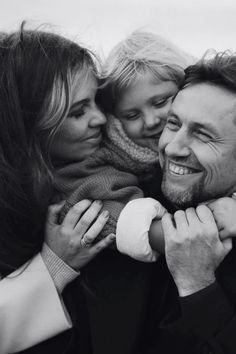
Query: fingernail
pixel 98 202
pixel 105 213
pixel 113 237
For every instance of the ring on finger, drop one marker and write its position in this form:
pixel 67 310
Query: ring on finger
pixel 84 243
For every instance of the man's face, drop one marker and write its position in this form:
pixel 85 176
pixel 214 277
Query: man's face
pixel 198 145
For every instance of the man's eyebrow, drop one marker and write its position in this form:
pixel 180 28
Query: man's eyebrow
pixel 206 126
pixel 173 115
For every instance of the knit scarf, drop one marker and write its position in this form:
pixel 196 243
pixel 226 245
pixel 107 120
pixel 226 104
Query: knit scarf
pixel 117 150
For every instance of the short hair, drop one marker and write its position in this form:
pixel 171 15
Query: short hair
pixel 37 72
pixel 139 53
pixel 216 68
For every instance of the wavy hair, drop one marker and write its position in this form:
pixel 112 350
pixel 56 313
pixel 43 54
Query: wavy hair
pixel 37 71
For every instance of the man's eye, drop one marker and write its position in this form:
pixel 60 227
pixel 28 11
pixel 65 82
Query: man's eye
pixel 172 124
pixel 203 136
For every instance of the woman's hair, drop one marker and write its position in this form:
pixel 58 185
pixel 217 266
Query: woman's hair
pixel 139 53
pixel 37 71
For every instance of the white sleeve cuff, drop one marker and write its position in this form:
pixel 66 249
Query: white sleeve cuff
pixel 61 273
pixel 133 226
pixel 31 310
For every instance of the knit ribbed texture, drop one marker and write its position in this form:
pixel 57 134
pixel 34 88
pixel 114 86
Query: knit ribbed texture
pixel 110 175
pixel 60 272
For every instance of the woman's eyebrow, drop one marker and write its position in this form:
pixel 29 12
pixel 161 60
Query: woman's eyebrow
pixel 79 103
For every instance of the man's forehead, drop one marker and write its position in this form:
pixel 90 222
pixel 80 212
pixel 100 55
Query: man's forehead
pixel 206 102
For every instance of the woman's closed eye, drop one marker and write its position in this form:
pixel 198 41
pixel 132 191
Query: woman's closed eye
pixel 78 110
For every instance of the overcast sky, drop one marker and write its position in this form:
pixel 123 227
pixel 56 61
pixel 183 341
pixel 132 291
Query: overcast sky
pixel 194 25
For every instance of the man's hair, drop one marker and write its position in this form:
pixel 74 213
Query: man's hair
pixel 218 70
pixel 139 53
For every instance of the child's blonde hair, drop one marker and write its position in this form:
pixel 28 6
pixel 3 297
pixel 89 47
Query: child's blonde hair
pixel 137 54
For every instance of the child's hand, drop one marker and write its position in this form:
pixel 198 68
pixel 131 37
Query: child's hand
pixel 224 211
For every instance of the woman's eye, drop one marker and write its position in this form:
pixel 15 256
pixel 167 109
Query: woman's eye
pixel 79 112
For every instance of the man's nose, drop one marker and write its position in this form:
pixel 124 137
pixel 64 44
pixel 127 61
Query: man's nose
pixel 179 146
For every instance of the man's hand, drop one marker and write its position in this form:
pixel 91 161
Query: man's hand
pixel 193 248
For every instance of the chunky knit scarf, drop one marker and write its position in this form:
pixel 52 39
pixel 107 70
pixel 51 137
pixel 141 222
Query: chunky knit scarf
pixel 110 174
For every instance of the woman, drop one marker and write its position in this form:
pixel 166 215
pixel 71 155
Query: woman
pixel 41 76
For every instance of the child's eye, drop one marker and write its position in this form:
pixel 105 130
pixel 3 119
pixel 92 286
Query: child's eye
pixel 131 116
pixel 161 103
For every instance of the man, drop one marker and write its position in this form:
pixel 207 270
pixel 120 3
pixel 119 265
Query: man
pixel 198 157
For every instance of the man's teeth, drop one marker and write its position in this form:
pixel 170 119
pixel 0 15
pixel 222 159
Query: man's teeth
pixel 179 170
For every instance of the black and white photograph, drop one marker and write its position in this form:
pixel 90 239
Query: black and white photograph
pixel 117 177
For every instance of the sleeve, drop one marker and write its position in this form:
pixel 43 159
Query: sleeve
pixel 209 319
pixel 31 310
pixel 113 187
pixel 133 226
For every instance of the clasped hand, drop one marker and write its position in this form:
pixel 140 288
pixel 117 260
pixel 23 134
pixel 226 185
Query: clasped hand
pixel 193 248
pixel 73 240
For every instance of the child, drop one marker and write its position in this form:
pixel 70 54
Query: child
pixel 140 77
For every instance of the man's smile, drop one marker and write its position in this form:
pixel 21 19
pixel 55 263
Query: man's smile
pixel 180 170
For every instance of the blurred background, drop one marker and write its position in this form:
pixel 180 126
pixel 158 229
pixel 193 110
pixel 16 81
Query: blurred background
pixel 194 25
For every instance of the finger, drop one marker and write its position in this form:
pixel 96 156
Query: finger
pixel 168 226
pixel 234 196
pixel 181 221
pixel 192 216
pixel 207 202
pixel 88 217
pixel 205 215
pixel 223 234
pixel 207 218
pixel 99 246
pixel 160 210
pixel 74 214
pixel 53 212
pixel 228 244
pixel 96 227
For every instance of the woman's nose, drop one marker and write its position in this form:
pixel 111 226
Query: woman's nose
pixel 98 118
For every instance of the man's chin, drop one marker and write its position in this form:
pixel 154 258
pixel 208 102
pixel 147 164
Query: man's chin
pixel 179 198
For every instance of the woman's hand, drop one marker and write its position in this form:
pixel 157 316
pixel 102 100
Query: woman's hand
pixel 72 241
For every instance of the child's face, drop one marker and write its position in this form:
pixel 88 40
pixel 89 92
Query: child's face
pixel 143 108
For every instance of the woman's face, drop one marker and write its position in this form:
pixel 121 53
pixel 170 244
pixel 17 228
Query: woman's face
pixel 143 108
pixel 80 134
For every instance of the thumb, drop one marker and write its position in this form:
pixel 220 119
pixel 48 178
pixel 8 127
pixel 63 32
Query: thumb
pixel 160 210
pixel 227 243
pixel 234 196
pixel 53 212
